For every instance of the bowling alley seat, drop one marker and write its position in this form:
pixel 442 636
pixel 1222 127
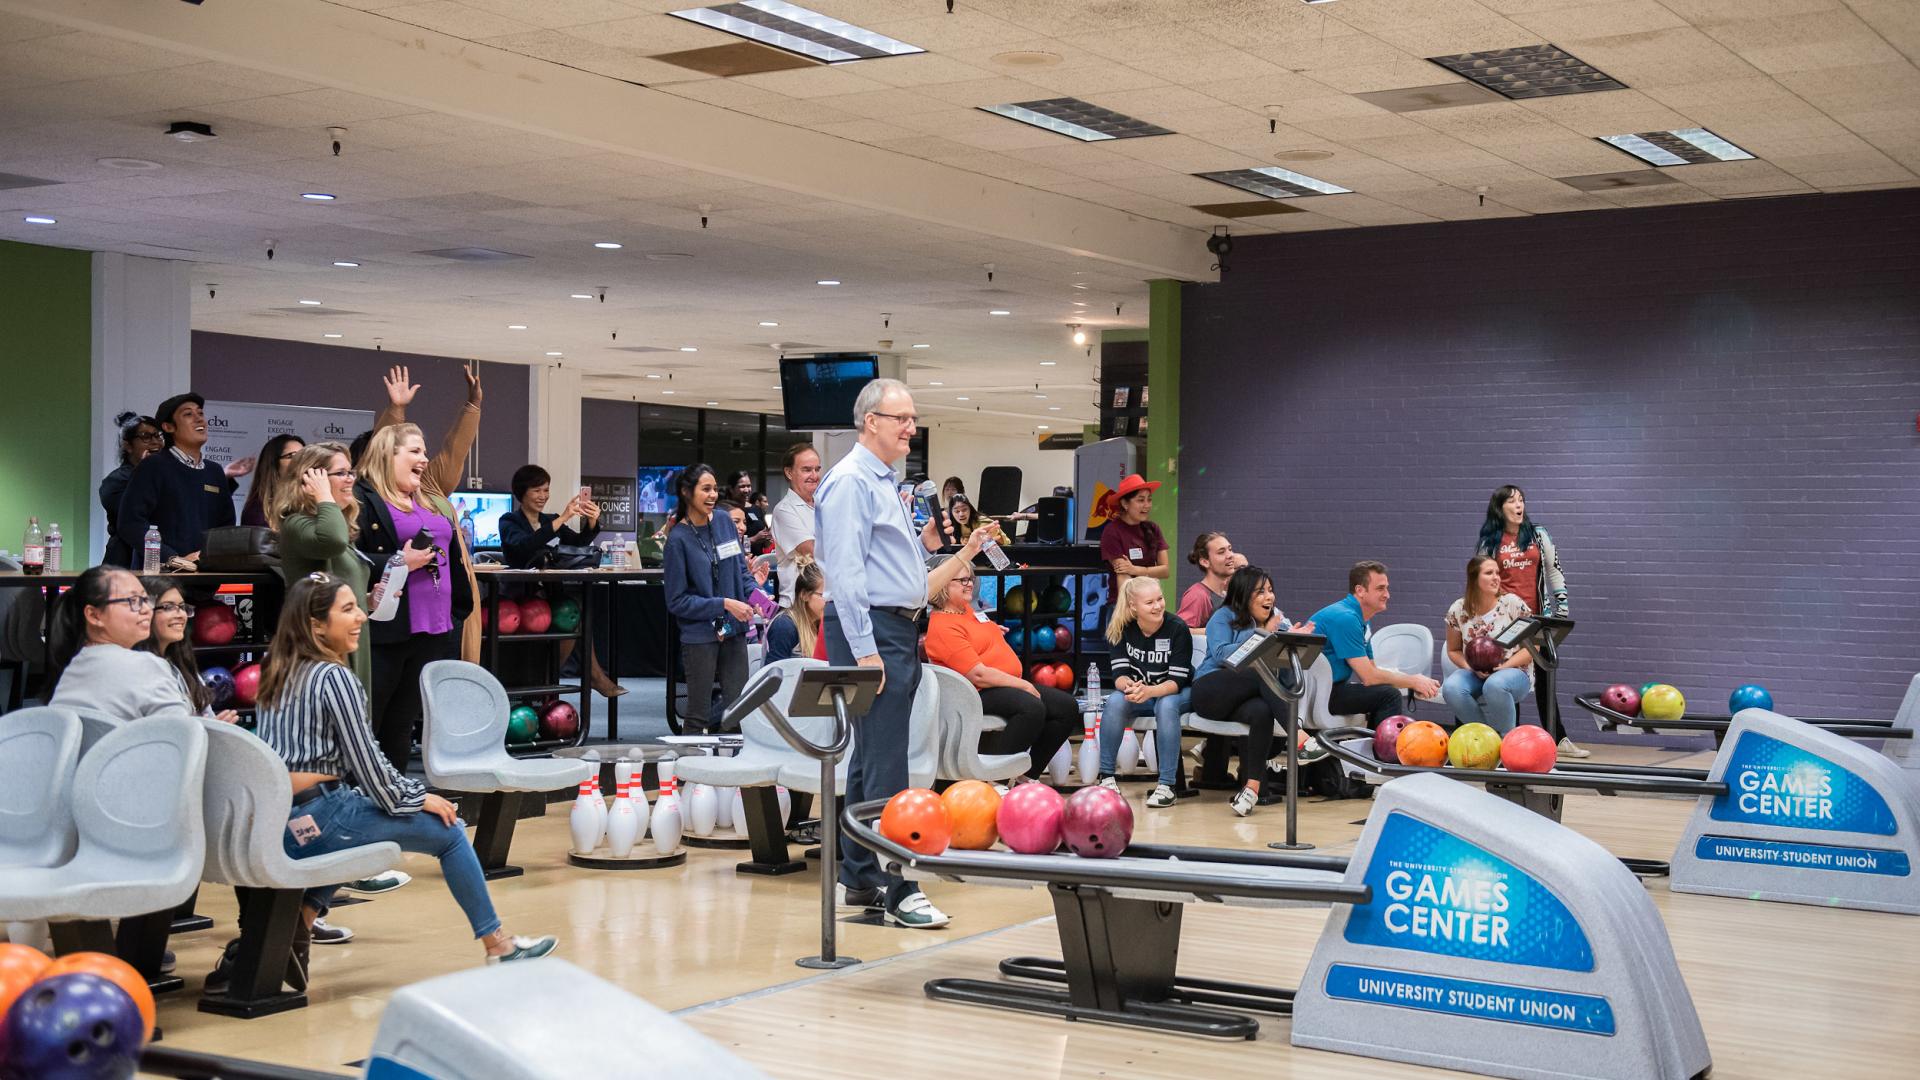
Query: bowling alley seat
pixel 94 725
pixel 39 749
pixel 1193 721
pixel 247 802
pixel 1406 648
pixel 136 801
pixel 463 736
pixel 961 724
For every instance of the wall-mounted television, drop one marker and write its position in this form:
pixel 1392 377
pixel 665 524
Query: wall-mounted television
pixel 653 491
pixel 818 391
pixel 484 509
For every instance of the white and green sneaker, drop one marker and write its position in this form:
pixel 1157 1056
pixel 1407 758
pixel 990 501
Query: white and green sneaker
pixel 916 912
pixel 1110 782
pixel 526 948
pixel 1161 798
pixel 378 883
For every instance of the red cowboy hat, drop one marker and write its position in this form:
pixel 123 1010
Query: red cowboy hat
pixel 1133 483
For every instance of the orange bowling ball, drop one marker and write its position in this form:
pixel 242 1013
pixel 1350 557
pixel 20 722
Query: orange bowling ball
pixel 973 811
pixel 917 820
pixel 114 970
pixel 1422 743
pixel 20 967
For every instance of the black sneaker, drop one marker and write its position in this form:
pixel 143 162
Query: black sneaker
pixel 327 934
pixel 298 958
pixel 221 977
pixel 167 962
pixel 859 899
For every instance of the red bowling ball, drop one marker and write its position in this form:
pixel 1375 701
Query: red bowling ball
pixel 1528 748
pixel 1622 699
pixel 1029 819
pixel 506 616
pixel 214 624
pixel 1097 822
pixel 1385 745
pixel 1484 654
pixel 246 684
pixel 559 721
pixel 536 616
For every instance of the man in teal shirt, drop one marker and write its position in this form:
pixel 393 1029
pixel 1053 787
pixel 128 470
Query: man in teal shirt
pixel 1359 684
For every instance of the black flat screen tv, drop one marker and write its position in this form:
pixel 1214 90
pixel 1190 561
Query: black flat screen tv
pixel 818 391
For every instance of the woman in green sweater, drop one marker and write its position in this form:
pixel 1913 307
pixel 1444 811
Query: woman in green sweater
pixel 317 519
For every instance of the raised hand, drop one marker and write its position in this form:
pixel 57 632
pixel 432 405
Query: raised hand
pixel 400 387
pixel 472 371
pixel 239 468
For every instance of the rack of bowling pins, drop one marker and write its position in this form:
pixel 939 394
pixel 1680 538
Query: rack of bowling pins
pixel 1137 754
pixel 609 836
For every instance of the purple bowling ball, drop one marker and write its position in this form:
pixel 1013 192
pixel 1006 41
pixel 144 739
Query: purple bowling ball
pixel 1386 739
pixel 77 1026
pixel 1097 823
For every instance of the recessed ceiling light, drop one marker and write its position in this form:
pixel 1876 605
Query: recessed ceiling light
pixel 311 303
pixel 797 30
pixel 316 196
pixel 582 296
pixel 999 311
pixel 1273 182
pixel 348 263
pixel 651 375
pixel 190 131
pixel 516 326
pixel 936 382
pixel 1043 427
pixel 1042 397
pixel 688 348
pixel 769 324
pixel 713 403
pixel 666 391
pixel 556 354
pixel 963 398
pixel 1048 363
pixel 1053 408
pixel 1685 146
pixel 36 219
pixel 329 335
pixel 606 245
pixel 1079 119
pixel 827 281
pixel 1529 71
pixel 923 346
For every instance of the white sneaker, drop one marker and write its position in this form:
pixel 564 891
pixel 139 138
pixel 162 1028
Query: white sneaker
pixel 1244 801
pixel 1162 797
pixel 916 912
pixel 1569 750
pixel 1110 782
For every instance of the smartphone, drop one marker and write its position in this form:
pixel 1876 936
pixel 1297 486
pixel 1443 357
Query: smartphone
pixel 586 493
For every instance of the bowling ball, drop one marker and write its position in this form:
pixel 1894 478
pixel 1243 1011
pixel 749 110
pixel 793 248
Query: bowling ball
pixel 1017 638
pixel 566 615
pixel 1527 748
pixel 1622 699
pixel 1385 739
pixel 973 811
pixel 20 967
pixel 114 970
pixel 506 616
pixel 1097 823
pixel 1029 819
pixel 1646 686
pixel 72 1026
pixel 1422 743
pixel 1063 677
pixel 219 681
pixel 214 624
pixel 1057 600
pixel 916 819
pixel 523 724
pixel 1484 654
pixel 1017 601
pixel 1474 746
pixel 246 684
pixel 1750 696
pixel 536 616
pixel 1040 674
pixel 1042 639
pixel 1662 702
pixel 1063 637
pixel 559 721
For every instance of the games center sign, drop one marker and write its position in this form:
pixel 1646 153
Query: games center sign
pixel 1779 785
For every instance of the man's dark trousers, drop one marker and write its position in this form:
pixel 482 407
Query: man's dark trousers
pixel 878 769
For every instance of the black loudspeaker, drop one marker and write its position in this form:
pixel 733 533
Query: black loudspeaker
pixel 999 490
pixel 1052 526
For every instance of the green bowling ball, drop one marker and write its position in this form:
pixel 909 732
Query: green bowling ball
pixel 1057 600
pixel 566 615
pixel 523 724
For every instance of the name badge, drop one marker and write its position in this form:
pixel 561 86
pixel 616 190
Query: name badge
pixel 728 550
pixel 1135 554
pixel 980 616
pixel 555 542
pixel 1161 644
pixel 209 489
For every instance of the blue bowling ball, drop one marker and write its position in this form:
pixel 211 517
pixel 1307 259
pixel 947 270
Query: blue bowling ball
pixel 1016 637
pixel 1043 639
pixel 1750 696
pixel 219 682
pixel 77 1026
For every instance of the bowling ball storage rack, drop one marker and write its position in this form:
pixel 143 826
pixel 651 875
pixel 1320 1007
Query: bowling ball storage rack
pixel 491 640
pixel 1716 724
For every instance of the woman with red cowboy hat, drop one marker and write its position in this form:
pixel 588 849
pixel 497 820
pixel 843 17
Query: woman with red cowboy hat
pixel 1130 544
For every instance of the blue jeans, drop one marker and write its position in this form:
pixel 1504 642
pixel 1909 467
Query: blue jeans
pixel 1493 701
pixel 1166 729
pixel 347 819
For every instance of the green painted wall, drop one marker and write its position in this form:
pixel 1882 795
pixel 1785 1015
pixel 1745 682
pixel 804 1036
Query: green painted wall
pixel 46 364
pixel 1163 417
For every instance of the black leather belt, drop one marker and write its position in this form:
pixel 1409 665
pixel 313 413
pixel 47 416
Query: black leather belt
pixel 324 787
pixel 911 614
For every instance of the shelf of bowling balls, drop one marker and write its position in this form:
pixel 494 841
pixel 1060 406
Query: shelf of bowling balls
pixel 551 635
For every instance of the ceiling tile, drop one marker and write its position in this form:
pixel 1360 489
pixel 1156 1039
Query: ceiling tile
pixel 453 17
pixel 1805 42
pixel 1567 27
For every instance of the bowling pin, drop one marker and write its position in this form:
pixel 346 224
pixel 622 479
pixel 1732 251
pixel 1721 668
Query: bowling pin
pixel 584 823
pixel 1149 754
pixel 599 812
pixel 733 813
pixel 1129 758
pixel 703 810
pixel 666 817
pixel 637 792
pixel 785 799
pixel 1061 765
pixel 1090 751
pixel 622 824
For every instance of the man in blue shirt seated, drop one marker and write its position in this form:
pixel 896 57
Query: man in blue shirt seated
pixel 1359 684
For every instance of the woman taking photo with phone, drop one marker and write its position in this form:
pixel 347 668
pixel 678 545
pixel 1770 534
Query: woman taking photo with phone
pixel 527 532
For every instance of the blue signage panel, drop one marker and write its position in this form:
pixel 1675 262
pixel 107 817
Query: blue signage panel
pixel 1846 860
pixel 1531 1005
pixel 1436 893
pixel 1778 784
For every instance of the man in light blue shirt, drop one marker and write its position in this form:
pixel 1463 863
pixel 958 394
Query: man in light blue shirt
pixel 1359 684
pixel 876 570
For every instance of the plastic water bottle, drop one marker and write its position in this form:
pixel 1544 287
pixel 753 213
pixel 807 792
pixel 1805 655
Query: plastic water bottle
pixel 1093 685
pixel 384 600
pixel 33 559
pixel 150 553
pixel 53 548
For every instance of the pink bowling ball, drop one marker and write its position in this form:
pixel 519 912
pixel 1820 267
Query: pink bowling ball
pixel 1097 823
pixel 1029 819
pixel 1386 739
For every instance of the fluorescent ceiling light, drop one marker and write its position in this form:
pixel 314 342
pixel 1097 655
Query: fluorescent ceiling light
pixel 688 348
pixel 999 311
pixel 769 324
pixel 666 391
pixel 316 196
pixel 1685 146
pixel 1044 427
pixel 1048 363
pixel 329 335
pixel 713 403
pixel 556 354
pixel 797 30
pixel 1053 408
pixel 349 263
pixel 311 303
pixel 827 281
pixel 963 397
pixel 1274 182
pixel 936 383
pixel 1079 119
pixel 651 375
pixel 36 219
pixel 581 296
pixel 516 326
pixel 606 245
pixel 923 346
pixel 1529 71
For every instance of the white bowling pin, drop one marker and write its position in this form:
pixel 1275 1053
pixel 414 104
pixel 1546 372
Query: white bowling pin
pixel 703 809
pixel 622 825
pixel 666 817
pixel 785 799
pixel 1149 754
pixel 599 811
pixel 637 793
pixel 1090 751
pixel 584 823
pixel 1061 765
pixel 737 807
pixel 1129 758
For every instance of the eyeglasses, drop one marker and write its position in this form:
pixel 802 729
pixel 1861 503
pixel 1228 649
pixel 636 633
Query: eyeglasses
pixel 964 582
pixel 342 474
pixel 174 607
pixel 135 604
pixel 906 419
pixel 149 436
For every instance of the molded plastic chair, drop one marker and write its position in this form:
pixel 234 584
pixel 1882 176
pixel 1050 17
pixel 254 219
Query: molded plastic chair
pixel 1315 711
pixel 757 766
pixel 137 805
pixel 463 739
pixel 94 725
pixel 1406 648
pixel 39 748
pixel 245 809
pixel 961 724
pixel 923 744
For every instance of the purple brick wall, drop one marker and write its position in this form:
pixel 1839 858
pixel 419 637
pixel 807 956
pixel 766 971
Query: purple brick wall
pixel 1712 408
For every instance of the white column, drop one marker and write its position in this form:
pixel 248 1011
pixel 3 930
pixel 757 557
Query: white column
pixel 553 426
pixel 142 354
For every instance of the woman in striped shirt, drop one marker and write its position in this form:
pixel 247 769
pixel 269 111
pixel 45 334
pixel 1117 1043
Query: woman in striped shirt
pixel 313 712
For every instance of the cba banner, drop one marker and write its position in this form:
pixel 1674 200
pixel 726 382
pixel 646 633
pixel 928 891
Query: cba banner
pixel 1436 893
pixel 236 429
pixel 1775 783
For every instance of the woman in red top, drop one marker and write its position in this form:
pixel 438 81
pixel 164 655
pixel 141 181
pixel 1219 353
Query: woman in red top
pixel 1039 718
